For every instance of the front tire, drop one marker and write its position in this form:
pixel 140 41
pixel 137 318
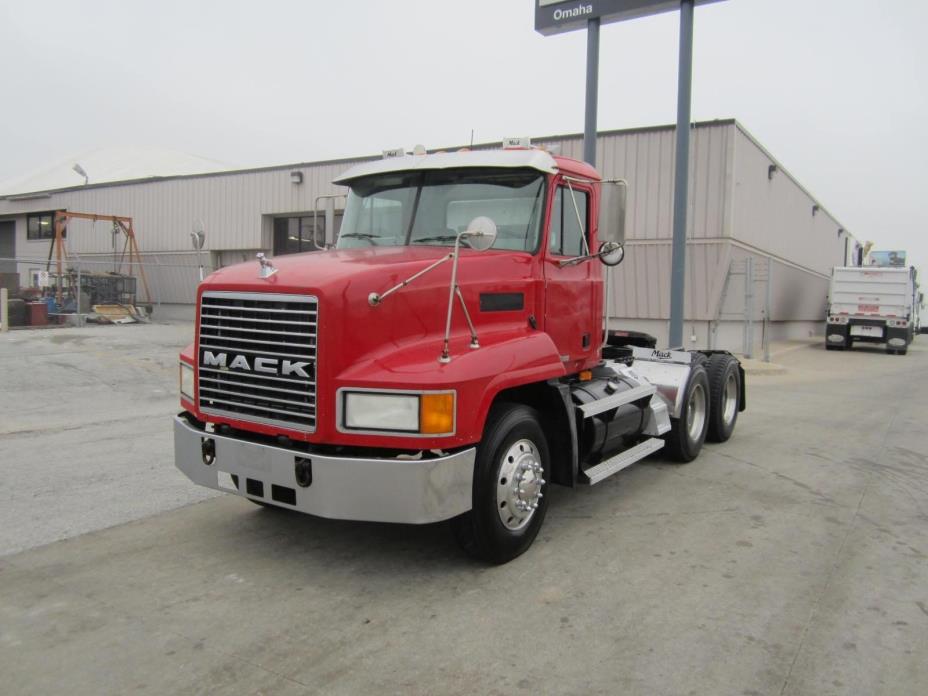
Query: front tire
pixel 510 474
pixel 688 432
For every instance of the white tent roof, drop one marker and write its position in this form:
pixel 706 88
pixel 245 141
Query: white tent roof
pixel 111 164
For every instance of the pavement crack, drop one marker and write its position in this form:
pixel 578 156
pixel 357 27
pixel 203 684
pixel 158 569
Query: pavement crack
pixel 53 428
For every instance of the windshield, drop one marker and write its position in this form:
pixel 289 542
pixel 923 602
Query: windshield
pixel 432 207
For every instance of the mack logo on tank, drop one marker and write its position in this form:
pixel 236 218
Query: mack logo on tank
pixel 245 363
pixel 661 354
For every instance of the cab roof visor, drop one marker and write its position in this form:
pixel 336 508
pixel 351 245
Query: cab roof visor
pixel 515 159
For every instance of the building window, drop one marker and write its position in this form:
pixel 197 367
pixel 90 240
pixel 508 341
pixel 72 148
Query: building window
pixel 566 233
pixel 40 226
pixel 295 234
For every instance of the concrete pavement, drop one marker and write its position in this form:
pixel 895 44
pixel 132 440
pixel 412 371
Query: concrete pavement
pixel 791 560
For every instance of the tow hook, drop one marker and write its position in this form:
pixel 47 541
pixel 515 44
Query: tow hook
pixel 303 471
pixel 208 450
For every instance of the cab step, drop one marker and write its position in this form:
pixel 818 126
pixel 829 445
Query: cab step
pixel 594 408
pixel 622 460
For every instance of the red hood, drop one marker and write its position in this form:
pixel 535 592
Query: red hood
pixel 297 273
pixel 352 332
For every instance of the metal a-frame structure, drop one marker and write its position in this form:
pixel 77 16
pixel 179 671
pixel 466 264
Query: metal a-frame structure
pixel 130 251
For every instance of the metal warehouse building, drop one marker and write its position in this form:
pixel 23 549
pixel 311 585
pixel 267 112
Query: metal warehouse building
pixel 760 246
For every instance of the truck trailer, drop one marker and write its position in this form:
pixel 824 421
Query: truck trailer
pixel 872 304
pixel 447 359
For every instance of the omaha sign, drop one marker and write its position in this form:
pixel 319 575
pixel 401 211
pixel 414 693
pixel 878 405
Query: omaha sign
pixel 557 16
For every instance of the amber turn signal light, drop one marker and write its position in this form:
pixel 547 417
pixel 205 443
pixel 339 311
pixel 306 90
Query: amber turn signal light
pixel 436 414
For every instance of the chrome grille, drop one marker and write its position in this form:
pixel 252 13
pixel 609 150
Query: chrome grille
pixel 256 356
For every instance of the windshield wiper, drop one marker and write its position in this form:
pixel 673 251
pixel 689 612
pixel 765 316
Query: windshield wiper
pixel 438 238
pixel 359 235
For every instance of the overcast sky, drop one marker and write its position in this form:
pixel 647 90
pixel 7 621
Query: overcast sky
pixel 835 89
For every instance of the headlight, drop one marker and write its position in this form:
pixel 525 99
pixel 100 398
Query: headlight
pixel 425 414
pixel 186 380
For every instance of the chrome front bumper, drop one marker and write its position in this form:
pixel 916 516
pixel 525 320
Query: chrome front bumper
pixel 373 490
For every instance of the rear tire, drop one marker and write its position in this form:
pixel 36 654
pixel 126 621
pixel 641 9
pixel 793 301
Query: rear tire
pixel 688 432
pixel 510 474
pixel 724 396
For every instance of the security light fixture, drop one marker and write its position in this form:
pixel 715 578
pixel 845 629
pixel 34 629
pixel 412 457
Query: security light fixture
pixel 296 177
pixel 80 170
pixel 841 231
pixel 815 209
pixel 771 170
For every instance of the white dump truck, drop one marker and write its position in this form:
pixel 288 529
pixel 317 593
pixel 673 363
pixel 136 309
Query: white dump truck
pixel 872 304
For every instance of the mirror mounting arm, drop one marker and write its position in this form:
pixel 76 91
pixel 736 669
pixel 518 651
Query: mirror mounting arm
pixel 608 253
pixel 375 298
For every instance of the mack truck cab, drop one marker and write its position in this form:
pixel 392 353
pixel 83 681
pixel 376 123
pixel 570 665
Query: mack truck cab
pixel 448 359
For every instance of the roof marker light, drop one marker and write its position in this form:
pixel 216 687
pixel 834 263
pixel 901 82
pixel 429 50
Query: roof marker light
pixel 510 143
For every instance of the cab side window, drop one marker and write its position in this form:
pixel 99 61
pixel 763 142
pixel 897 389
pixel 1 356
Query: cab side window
pixel 566 232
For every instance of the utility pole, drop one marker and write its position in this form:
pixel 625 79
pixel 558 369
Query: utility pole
pixel 682 175
pixel 592 91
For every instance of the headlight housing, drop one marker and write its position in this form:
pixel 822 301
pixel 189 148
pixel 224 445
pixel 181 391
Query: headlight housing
pixel 186 380
pixel 413 413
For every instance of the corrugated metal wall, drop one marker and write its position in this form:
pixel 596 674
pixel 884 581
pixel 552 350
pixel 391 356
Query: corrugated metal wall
pixel 774 214
pixel 231 207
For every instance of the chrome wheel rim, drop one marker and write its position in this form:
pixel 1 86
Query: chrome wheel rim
pixel 518 487
pixel 730 399
pixel 696 413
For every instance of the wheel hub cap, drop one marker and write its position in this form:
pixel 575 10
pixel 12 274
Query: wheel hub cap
pixel 696 413
pixel 730 399
pixel 518 489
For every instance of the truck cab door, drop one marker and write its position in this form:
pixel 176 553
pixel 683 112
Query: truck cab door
pixel 573 294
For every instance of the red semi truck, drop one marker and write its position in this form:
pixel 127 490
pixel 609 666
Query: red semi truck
pixel 446 360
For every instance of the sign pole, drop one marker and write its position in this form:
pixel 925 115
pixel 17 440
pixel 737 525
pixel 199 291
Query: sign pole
pixel 592 90
pixel 681 180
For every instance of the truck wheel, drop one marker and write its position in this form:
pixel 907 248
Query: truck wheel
pixel 509 485
pixel 688 432
pixel 724 396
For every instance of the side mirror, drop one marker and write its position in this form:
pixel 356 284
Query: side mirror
pixel 480 233
pixel 612 211
pixel 329 222
pixel 328 214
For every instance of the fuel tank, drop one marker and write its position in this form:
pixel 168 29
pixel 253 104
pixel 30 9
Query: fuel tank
pixel 608 432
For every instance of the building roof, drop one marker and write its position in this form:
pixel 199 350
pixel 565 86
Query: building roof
pixel 110 165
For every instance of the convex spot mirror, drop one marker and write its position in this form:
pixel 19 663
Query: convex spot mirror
pixel 611 253
pixel 612 211
pixel 480 233
pixel 198 238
